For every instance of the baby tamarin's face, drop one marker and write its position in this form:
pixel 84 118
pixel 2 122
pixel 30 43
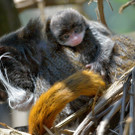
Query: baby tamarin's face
pixel 68 27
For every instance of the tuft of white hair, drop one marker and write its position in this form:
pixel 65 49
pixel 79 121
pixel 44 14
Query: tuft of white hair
pixel 18 98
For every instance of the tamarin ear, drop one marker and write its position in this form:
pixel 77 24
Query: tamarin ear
pixel 47 28
pixel 49 35
pixel 33 30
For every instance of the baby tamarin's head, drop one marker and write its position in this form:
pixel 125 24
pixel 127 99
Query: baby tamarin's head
pixel 68 27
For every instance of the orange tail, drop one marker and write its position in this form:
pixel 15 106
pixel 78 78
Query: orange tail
pixel 55 99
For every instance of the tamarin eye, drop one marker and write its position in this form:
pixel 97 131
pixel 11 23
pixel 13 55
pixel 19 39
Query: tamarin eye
pixel 65 36
pixel 78 29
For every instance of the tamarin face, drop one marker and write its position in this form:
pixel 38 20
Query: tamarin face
pixel 68 27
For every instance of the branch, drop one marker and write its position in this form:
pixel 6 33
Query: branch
pixel 101 11
pixel 126 5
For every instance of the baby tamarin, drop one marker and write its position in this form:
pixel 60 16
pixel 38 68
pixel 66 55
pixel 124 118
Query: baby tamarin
pixel 68 29
pixel 55 99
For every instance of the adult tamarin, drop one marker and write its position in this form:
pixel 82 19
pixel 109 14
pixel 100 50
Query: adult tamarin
pixel 31 64
pixel 50 103
pixel 33 59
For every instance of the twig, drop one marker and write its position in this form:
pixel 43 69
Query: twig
pixel 90 2
pixel 109 4
pixel 133 87
pixel 114 132
pixel 116 129
pixel 56 131
pixel 125 89
pixel 126 5
pixel 97 14
pixel 101 11
pixel 94 102
pixel 73 116
pixel 126 129
pixel 127 106
pixel 106 119
pixel 41 4
pixel 6 126
pixel 11 132
pixel 48 130
pixel 67 132
pixel 132 98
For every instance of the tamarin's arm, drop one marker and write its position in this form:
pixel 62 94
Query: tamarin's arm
pixel 55 99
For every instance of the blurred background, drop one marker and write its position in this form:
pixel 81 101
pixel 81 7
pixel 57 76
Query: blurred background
pixel 16 13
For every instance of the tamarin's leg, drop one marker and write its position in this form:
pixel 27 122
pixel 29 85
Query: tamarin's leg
pixel 55 99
